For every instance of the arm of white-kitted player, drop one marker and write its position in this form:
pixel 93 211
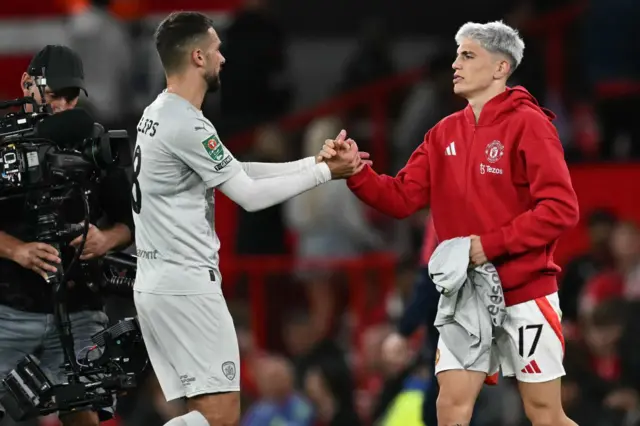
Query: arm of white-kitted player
pixel 217 167
pixel 257 194
pixel 265 170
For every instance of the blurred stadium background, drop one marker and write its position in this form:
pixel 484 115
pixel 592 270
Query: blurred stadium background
pixel 316 284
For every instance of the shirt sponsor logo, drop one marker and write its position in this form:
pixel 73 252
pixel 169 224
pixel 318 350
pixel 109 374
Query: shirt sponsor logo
pixel 485 168
pixel 147 254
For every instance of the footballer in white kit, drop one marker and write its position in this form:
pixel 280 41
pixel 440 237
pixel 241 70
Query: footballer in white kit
pixel 179 161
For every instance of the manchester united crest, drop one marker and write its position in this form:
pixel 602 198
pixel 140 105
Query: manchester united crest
pixel 494 151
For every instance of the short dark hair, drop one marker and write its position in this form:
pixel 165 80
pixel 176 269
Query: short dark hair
pixel 176 33
pixel 601 216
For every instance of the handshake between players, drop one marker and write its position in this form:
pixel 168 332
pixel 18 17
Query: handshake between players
pixel 187 327
pixel 343 157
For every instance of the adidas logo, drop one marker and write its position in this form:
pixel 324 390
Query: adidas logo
pixel 531 368
pixel 451 149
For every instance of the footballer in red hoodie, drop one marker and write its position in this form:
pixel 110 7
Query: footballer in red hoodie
pixel 494 171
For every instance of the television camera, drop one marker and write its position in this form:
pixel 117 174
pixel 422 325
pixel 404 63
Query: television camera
pixel 45 160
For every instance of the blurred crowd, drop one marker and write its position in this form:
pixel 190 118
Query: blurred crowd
pixel 589 81
pixel 319 365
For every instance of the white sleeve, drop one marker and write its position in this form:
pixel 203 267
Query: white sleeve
pixel 205 154
pixel 265 170
pixel 257 194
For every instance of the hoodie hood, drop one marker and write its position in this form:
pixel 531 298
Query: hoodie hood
pixel 501 106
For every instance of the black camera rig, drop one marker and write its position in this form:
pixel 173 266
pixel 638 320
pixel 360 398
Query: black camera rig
pixel 115 363
pixel 45 160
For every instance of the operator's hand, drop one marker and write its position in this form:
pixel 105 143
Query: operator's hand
pixel 476 252
pixel 39 257
pixel 97 244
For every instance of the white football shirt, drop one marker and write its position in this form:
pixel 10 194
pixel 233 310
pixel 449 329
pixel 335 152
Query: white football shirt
pixel 178 161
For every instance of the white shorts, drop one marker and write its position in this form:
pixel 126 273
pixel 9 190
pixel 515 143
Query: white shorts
pixel 191 342
pixel 530 345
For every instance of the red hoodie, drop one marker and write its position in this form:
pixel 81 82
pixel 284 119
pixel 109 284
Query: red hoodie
pixel 504 179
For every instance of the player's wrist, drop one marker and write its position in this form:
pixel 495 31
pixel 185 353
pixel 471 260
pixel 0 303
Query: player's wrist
pixel 9 246
pixel 323 172
pixel 312 161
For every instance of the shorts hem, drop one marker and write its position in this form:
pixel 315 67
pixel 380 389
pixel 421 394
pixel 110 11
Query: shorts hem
pixel 442 370
pixel 179 293
pixel 538 379
pixel 211 391
pixel 173 397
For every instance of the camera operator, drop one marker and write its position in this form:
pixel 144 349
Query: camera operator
pixel 27 323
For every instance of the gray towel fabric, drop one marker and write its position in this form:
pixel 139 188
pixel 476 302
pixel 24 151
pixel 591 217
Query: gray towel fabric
pixel 471 304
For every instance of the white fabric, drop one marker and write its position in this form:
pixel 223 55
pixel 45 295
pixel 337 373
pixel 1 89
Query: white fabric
pixel 264 170
pixel 472 303
pixel 257 194
pixel 181 160
pixel 541 360
pixel 191 342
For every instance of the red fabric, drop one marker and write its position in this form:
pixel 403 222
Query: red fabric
pixel 506 180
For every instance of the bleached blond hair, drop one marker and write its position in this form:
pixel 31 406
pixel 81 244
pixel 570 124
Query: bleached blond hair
pixel 496 37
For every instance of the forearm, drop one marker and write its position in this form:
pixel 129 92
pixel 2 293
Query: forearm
pixel 118 236
pixel 384 193
pixel 265 170
pixel 8 245
pixel 257 194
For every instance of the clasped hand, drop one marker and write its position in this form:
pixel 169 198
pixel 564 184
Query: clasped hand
pixel 342 156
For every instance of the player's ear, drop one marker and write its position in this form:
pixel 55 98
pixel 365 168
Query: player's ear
pixel 503 69
pixel 197 56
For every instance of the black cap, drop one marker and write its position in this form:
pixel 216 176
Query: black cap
pixel 63 67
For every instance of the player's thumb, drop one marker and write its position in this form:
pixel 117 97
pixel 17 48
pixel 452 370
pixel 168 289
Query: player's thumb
pixel 341 136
